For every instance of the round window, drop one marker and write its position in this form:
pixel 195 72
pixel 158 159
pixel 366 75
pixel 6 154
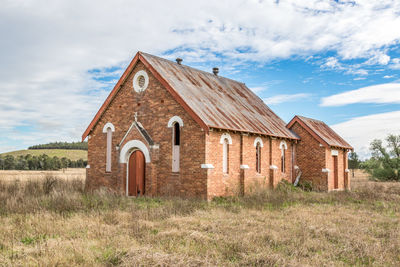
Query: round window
pixel 140 81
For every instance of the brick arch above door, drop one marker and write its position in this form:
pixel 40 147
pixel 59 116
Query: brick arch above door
pixel 129 146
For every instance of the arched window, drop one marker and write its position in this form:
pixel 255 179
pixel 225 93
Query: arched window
pixel 175 123
pixel 258 158
pixel 258 143
pixel 225 156
pixel 108 129
pixel 176 135
pixel 283 147
pixel 225 140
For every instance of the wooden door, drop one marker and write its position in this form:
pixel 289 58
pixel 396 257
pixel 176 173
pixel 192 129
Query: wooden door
pixel 335 173
pixel 136 168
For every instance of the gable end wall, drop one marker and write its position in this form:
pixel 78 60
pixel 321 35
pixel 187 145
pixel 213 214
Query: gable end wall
pixel 154 107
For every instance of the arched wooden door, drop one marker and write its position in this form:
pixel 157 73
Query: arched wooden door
pixel 136 171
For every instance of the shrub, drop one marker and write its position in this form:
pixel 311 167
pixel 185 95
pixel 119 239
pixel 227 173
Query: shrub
pixel 384 164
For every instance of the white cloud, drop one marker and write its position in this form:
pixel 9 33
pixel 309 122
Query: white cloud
pixel 378 57
pixel 332 63
pixel 360 131
pixel 278 99
pixel 388 76
pixel 395 64
pixel 382 93
pixel 48 47
pixel 258 89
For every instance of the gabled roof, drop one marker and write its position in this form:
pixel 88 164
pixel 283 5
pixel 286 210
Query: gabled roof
pixel 322 132
pixel 212 101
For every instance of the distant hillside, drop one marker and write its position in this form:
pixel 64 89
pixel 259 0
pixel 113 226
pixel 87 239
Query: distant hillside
pixel 62 145
pixel 60 153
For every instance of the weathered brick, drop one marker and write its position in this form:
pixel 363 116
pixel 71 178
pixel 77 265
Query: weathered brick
pixel 312 157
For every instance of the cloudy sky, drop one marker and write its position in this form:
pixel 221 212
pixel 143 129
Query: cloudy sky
pixel 337 61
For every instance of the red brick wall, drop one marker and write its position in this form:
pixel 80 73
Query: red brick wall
pixel 232 183
pixel 155 106
pixel 253 180
pixel 310 157
pixel 219 183
pixel 276 160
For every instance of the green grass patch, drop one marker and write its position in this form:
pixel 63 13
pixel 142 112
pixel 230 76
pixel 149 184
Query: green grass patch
pixel 60 153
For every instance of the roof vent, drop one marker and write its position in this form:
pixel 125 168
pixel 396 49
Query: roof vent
pixel 179 61
pixel 215 71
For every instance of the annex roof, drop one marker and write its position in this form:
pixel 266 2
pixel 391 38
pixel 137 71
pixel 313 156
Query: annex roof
pixel 320 131
pixel 213 101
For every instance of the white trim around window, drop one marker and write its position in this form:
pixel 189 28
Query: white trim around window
pixel 225 136
pixel 108 129
pixel 108 125
pixel 174 119
pixel 258 140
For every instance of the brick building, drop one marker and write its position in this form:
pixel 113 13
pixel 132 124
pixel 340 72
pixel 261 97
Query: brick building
pixel 321 154
pixel 169 129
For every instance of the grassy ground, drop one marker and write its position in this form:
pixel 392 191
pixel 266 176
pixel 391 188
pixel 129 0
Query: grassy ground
pixel 53 222
pixel 23 176
pixel 69 154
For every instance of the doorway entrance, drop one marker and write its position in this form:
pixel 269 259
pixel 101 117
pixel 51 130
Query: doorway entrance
pixel 335 173
pixel 136 174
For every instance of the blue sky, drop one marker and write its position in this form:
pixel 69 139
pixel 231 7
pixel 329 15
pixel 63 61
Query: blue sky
pixel 337 61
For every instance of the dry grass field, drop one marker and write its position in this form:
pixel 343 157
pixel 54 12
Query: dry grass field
pixel 24 176
pixel 53 222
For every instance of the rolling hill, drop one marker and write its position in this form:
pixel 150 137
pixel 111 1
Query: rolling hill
pixel 70 154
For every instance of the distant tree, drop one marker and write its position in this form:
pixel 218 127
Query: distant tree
pixel 64 163
pixel 385 161
pixel 80 163
pixel 62 145
pixel 56 163
pixel 41 162
pixel 21 163
pixel 354 162
pixel 9 163
pixel 1 163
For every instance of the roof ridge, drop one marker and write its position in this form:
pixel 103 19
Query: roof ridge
pixel 189 67
pixel 323 135
pixel 312 119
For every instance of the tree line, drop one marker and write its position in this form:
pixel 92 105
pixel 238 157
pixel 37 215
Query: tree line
pixel 62 145
pixel 41 162
pixel 384 164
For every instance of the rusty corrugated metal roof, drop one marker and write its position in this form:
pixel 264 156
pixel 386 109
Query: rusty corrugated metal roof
pixel 220 102
pixel 322 130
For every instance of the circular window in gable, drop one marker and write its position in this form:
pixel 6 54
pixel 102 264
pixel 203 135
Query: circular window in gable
pixel 140 81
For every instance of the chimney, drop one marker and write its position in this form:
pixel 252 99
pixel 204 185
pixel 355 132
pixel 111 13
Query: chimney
pixel 179 61
pixel 215 71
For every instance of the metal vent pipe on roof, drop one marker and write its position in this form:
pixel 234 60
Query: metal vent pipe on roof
pixel 179 60
pixel 215 71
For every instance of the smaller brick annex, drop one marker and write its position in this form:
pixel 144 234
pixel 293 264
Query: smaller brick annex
pixel 320 148
pixel 169 129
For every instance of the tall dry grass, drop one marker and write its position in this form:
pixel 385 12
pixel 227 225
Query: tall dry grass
pixel 54 222
pixel 23 176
